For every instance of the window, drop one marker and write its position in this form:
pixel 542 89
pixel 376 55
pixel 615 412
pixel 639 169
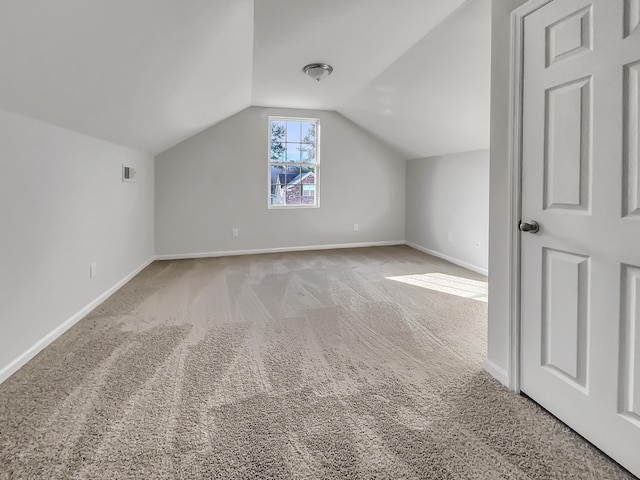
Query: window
pixel 294 162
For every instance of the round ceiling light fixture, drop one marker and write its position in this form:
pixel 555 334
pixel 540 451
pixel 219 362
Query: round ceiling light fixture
pixel 318 71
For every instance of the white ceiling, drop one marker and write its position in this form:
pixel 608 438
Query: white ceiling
pixel 359 38
pixel 142 73
pixel 150 73
pixel 435 99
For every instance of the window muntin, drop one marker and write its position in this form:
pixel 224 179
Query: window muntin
pixel 293 162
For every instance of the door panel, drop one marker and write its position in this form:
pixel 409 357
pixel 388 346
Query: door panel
pixel 630 346
pixel 565 315
pixel 580 274
pixel 567 156
pixel 632 148
pixel 569 36
pixel 631 17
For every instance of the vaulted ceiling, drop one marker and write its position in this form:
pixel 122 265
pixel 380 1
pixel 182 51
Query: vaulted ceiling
pixel 150 73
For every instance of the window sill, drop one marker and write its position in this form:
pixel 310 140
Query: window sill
pixel 291 207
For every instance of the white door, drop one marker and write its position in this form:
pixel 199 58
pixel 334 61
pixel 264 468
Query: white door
pixel 580 274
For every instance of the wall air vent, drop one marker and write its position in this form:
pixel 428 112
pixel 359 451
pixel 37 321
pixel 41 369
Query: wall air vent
pixel 128 173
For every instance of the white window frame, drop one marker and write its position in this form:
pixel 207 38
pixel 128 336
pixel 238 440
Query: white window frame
pixel 315 165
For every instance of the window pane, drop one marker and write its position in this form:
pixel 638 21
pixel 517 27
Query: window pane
pixel 278 131
pixel 277 152
pixel 276 145
pixel 278 195
pixel 308 194
pixel 308 152
pixel 293 195
pixel 308 175
pixel 309 133
pixel 293 152
pixel 293 174
pixel 277 173
pixel 293 132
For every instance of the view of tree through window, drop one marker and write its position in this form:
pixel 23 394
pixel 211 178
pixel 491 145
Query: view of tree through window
pixel 293 162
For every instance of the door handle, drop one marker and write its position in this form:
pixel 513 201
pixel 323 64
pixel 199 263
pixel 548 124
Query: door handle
pixel 531 226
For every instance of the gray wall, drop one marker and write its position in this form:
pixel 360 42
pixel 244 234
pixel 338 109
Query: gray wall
pixel 448 207
pixel 217 181
pixel 498 340
pixel 63 205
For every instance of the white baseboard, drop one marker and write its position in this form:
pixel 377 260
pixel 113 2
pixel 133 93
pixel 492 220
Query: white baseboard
pixel 496 372
pixel 12 367
pixel 461 263
pixel 228 253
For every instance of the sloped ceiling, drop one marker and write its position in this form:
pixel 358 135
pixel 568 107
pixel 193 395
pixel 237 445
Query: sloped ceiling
pixel 359 38
pixel 435 99
pixel 150 73
pixel 141 73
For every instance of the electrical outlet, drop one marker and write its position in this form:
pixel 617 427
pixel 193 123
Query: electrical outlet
pixel 356 227
pixel 234 232
pixel 93 269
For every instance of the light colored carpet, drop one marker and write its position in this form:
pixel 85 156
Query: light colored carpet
pixel 334 364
